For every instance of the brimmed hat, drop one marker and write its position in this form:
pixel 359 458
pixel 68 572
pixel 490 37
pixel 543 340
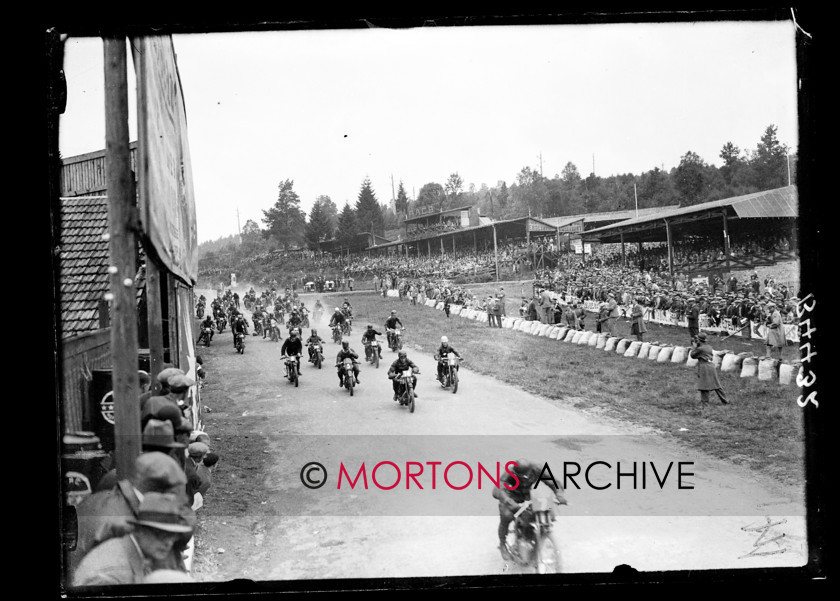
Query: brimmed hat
pixel 158 470
pixel 161 435
pixel 180 383
pixel 162 511
pixel 165 374
pixel 702 336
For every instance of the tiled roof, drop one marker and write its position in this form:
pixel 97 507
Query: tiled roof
pixel 83 261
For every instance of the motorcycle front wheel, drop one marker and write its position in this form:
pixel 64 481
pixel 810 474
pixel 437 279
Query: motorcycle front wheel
pixel 454 381
pixel 548 555
pixel 318 361
pixel 375 358
pixel 411 401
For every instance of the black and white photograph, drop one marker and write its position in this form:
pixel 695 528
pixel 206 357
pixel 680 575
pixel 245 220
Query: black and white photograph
pixel 403 304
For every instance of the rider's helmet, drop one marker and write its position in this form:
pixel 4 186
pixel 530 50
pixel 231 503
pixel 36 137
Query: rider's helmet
pixel 402 354
pixel 370 327
pixel 393 312
pixel 444 340
pixel 337 310
pixel 294 332
pixel 523 472
pixel 345 343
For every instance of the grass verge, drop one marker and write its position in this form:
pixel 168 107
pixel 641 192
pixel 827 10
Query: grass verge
pixel 761 427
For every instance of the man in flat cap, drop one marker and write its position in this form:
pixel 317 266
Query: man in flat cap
pixel 612 314
pixel 693 315
pixel 179 386
pixel 195 483
pixel 104 515
pixel 163 384
pixel 706 370
pixel 158 524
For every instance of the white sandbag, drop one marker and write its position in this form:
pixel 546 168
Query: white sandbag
pixel 602 341
pixel 644 349
pixel 584 339
pixel 515 324
pixel 570 334
pixel 561 333
pixel 768 369
pixel 430 302
pixel 525 326
pixel 718 357
pixel 665 354
pixel 622 345
pixel 610 344
pixel 439 306
pixel 787 374
pixel 653 353
pixel 455 309
pixel 633 349
pixel 552 335
pixel 691 361
pixel 578 335
pixel 679 355
pixel 593 339
pixel 392 293
pixel 507 322
pixel 535 327
pixel 544 331
pixel 731 362
pixel 749 367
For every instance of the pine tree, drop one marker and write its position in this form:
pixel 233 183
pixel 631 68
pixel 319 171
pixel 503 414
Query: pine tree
pixel 368 211
pixel 347 226
pixel 285 220
pixel 401 203
pixel 319 227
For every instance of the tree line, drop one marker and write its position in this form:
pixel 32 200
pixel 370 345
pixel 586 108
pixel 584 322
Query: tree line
pixel 693 181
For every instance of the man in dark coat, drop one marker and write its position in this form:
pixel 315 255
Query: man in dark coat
pixel 706 370
pixel 693 315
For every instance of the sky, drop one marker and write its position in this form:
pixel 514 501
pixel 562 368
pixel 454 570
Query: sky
pixel 327 109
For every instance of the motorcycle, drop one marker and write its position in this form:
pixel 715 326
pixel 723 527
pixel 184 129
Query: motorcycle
pixel 395 339
pixel 205 336
pixel 316 315
pixel 531 540
pixel 199 311
pixel 258 327
pixel 274 331
pixel 450 371
pixel 336 334
pixel 317 355
pixel 292 370
pixel 239 338
pixel 345 328
pixel 406 394
pixel 347 375
pixel 221 322
pixel 304 323
pixel 372 352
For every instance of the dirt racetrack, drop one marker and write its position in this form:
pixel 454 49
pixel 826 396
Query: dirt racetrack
pixel 259 522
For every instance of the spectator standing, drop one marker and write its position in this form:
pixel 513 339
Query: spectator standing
pixel 706 371
pixel 775 336
pixel 547 306
pixel 501 296
pixel 638 327
pixel 612 314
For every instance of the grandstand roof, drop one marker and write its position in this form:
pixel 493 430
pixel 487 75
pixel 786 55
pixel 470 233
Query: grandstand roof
pixel 778 203
pixel 424 216
pixel 606 216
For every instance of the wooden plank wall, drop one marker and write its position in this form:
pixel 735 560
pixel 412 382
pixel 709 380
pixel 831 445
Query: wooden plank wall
pixel 80 355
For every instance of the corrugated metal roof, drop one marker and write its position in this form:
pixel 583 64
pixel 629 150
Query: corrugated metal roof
pixel 781 202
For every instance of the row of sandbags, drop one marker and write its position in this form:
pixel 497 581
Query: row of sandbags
pixel 744 363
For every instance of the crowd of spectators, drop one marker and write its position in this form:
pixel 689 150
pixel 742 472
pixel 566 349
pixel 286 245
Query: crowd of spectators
pixel 421 230
pixel 137 530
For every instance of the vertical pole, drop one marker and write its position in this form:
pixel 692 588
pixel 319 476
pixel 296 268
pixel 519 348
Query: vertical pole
pixel 670 251
pixel 635 194
pixel 623 256
pixel 496 252
pixel 174 342
pixel 453 244
pixel 122 218
pixel 475 242
pixel 155 320
pixel 441 245
pixel 429 246
pixel 726 238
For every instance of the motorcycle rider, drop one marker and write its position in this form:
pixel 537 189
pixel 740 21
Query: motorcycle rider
pixel 257 317
pixel 208 323
pixel 338 319
pixel 294 319
pixel 238 325
pixel 293 347
pixel 370 336
pixel 313 339
pixel 343 353
pixel 511 498
pixel 441 355
pixel 317 310
pixel 401 364
pixel 391 324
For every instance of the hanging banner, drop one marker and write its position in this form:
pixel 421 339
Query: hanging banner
pixel 166 202
pixel 186 354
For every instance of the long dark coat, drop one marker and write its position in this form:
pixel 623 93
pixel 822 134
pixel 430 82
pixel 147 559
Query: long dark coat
pixel 706 371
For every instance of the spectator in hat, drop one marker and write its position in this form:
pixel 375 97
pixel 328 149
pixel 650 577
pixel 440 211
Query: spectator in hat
pixel 706 370
pixel 179 386
pixel 163 384
pixel 156 528
pixel 603 316
pixel 612 314
pixel 104 514
pixel 195 454
pixel 775 336
pixel 693 315
pixel 637 325
pixel 205 469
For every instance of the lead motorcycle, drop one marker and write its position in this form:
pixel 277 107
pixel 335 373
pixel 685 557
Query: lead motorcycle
pixel 372 352
pixel 221 322
pixel 239 342
pixel 348 377
pixel 336 334
pixel 395 339
pixel 451 364
pixel 206 333
pixel 292 369
pixel 531 540
pixel 406 395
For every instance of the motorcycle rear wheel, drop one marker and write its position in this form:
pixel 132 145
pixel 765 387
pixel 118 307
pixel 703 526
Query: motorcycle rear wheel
pixel 548 555
pixel 318 361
